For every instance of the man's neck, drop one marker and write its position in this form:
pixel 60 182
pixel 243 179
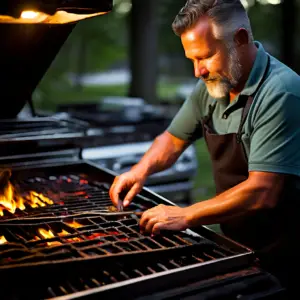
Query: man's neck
pixel 248 60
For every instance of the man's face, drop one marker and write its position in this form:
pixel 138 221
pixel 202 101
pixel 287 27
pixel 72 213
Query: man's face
pixel 215 63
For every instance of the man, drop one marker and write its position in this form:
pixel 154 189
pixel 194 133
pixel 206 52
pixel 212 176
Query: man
pixel 248 105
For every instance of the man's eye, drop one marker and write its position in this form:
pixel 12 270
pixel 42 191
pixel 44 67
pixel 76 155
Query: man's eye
pixel 203 57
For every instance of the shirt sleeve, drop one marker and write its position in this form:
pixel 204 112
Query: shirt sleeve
pixel 275 140
pixel 186 124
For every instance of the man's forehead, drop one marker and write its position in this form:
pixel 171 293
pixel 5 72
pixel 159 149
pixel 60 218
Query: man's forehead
pixel 201 33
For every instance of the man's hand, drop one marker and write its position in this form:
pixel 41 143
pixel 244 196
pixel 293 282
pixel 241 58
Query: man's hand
pixel 163 217
pixel 131 183
pixel 162 154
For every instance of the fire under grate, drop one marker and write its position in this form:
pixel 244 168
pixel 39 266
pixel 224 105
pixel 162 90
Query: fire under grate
pixel 79 225
pixel 89 237
pixel 71 226
pixel 70 194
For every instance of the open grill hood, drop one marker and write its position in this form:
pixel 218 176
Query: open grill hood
pixel 51 12
pixel 29 48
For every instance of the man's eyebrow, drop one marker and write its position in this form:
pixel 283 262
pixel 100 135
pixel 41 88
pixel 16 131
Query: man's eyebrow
pixel 198 55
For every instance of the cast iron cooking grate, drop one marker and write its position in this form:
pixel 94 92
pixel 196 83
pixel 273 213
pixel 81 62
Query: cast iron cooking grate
pixel 70 194
pixel 80 225
pixel 68 239
pixel 90 237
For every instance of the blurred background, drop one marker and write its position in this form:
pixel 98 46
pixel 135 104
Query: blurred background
pixel 132 52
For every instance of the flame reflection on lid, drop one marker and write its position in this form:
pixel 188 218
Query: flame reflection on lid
pixel 60 17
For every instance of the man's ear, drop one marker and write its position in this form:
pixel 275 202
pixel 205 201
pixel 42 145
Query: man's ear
pixel 241 37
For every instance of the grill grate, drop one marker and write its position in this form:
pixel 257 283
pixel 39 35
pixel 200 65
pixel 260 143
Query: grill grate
pixel 94 237
pixel 41 247
pixel 79 225
pixel 71 194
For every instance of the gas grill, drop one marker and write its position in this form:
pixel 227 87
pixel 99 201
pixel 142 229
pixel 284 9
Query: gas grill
pixel 60 237
pixel 63 224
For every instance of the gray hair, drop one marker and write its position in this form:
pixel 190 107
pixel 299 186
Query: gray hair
pixel 227 17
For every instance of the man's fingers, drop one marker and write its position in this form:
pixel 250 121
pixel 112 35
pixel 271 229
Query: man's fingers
pixel 115 190
pixel 131 194
pixel 150 225
pixel 157 228
pixel 144 219
pixel 120 205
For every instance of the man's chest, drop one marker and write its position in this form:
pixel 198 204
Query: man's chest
pixel 226 121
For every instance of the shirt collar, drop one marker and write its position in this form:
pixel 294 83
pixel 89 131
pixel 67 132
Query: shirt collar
pixel 257 72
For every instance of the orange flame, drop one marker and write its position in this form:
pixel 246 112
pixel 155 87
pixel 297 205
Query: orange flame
pixel 63 232
pixel 74 224
pixel 73 239
pixel 2 240
pixel 48 234
pixel 10 200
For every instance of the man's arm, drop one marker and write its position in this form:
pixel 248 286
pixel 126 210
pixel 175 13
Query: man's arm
pixel 261 190
pixel 162 154
pixel 164 151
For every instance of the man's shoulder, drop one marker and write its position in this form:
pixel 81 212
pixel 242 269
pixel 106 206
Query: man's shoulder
pixel 280 87
pixel 281 79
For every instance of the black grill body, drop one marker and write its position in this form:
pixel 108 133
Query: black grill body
pixel 77 247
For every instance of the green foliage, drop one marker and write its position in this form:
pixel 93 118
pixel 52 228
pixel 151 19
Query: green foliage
pixel 54 96
pixel 169 42
pixel 265 21
pixel 204 185
pixel 98 43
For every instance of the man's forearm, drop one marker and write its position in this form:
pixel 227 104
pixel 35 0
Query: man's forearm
pixel 162 154
pixel 243 199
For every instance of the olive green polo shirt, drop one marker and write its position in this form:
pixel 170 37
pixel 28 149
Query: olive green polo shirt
pixel 271 132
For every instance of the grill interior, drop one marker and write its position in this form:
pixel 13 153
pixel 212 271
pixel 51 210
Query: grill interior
pixel 70 193
pixel 42 245
pixel 80 224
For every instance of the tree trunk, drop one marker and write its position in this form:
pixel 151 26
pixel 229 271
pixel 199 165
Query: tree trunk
pixel 288 32
pixel 143 49
pixel 81 61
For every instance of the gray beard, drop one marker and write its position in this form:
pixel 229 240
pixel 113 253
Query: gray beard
pixel 222 87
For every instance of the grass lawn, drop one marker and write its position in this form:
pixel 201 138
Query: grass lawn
pixel 204 186
pixel 49 97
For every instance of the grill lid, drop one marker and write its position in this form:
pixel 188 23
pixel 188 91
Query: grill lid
pixel 28 49
pixel 25 56
pixel 51 12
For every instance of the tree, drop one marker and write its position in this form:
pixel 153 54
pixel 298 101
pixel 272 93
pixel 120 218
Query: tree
pixel 143 49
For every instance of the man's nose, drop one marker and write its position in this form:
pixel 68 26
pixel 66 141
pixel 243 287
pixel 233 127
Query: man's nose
pixel 200 70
